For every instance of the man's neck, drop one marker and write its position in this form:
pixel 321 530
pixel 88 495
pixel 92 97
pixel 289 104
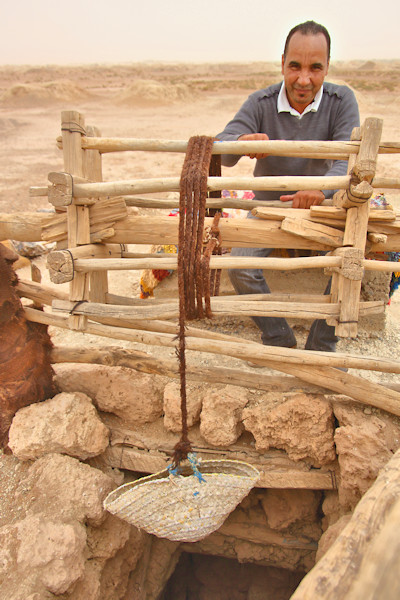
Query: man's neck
pixel 284 105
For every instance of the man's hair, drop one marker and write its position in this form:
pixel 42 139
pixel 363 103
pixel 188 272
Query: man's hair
pixel 309 28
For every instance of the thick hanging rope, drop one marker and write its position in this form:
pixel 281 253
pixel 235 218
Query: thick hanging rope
pixel 193 268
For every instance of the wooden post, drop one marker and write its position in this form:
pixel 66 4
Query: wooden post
pixel 92 167
pixel 73 127
pixel 355 235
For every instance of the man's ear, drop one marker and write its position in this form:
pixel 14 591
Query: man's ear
pixel 283 62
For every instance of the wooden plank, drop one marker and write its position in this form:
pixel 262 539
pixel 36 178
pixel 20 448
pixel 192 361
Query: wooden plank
pixel 133 459
pixel 132 229
pixel 334 212
pixel 342 570
pixel 279 214
pixel 170 310
pixel 146 363
pixel 313 231
pixel 308 365
pixel 276 357
pixel 321 298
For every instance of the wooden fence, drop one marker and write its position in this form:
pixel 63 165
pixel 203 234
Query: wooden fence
pixel 93 223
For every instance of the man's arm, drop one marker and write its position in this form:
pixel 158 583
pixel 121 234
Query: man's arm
pixel 245 125
pixel 304 198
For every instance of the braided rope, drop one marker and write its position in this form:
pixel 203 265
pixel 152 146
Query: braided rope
pixel 193 270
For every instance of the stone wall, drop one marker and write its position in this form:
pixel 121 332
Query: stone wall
pixel 57 540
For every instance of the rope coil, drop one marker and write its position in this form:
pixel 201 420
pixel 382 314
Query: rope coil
pixel 193 266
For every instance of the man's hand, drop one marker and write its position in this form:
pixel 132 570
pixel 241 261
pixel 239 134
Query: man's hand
pixel 305 198
pixel 254 136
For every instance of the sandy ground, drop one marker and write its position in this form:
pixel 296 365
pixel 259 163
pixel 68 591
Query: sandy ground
pixel 171 101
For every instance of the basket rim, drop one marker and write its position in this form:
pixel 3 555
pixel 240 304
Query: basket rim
pixel 163 476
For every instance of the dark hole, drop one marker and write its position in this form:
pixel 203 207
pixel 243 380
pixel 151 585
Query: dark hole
pixel 205 577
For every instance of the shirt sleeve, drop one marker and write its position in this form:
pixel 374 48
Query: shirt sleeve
pixel 346 119
pixel 246 120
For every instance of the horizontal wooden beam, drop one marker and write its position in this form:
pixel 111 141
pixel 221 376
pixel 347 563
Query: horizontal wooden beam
pixel 154 365
pixel 171 184
pixel 161 229
pixel 243 350
pixel 311 366
pixel 219 307
pixel 216 262
pixel 134 459
pixel 146 363
pixel 160 261
pixel 329 149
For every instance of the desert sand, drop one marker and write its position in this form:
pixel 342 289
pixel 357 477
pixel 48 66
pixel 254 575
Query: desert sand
pixel 158 100
pixel 171 101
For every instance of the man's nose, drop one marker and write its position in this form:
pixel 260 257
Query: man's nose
pixel 304 78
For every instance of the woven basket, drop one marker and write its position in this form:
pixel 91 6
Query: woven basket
pixel 181 507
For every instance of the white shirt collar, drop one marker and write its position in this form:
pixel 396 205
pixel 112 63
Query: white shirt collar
pixel 284 106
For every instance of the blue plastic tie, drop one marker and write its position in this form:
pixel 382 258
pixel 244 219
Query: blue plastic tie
pixel 173 471
pixel 192 458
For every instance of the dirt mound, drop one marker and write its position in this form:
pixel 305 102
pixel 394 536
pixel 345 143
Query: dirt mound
pixel 50 92
pixel 7 125
pixel 369 65
pixel 145 91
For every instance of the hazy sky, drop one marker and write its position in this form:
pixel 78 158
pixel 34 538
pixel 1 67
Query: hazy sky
pixel 104 31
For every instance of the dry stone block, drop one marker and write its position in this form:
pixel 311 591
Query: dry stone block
pixel 134 397
pixel 117 572
pixel 55 549
pixel 68 486
pixel 362 447
pixel 105 541
pixel 283 508
pixel 88 586
pixel 221 415
pixel 331 535
pixel 303 426
pixel 67 424
pixel 55 537
pixel 331 508
pixel 172 405
pixel 8 551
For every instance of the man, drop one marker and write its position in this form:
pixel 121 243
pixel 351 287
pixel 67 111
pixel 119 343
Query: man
pixel 302 107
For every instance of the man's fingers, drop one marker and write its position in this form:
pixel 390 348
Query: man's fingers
pixel 257 155
pixel 254 137
pixel 287 197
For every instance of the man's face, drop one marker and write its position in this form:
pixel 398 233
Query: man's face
pixel 304 68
